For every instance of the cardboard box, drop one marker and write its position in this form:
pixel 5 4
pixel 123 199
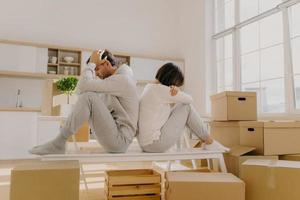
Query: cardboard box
pixel 228 106
pixel 274 180
pixel 195 186
pixel 139 184
pixel 227 133
pixel 240 154
pixel 46 180
pixel 271 138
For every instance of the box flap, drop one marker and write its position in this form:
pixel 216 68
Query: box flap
pixel 224 124
pixel 259 162
pixel 240 150
pixel 51 165
pixel 251 124
pixel 282 124
pixel 233 94
pixel 273 163
pixel 200 177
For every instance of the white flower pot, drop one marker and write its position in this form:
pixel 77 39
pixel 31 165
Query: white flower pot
pixel 66 109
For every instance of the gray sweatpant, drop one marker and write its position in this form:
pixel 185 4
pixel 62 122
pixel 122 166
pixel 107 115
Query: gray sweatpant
pixel 91 107
pixel 183 115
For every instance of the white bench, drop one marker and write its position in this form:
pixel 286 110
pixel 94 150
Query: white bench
pixel 137 156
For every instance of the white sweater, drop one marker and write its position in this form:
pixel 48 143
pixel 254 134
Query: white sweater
pixel 155 109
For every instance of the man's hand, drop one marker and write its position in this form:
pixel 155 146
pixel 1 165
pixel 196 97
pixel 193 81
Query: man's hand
pixel 97 71
pixel 174 90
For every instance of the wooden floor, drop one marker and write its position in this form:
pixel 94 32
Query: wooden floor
pixel 94 174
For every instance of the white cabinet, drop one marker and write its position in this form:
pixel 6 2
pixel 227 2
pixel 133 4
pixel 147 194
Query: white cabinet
pixel 17 134
pixel 23 58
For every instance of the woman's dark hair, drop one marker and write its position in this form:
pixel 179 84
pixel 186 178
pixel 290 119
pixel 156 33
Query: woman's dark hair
pixel 170 74
pixel 110 57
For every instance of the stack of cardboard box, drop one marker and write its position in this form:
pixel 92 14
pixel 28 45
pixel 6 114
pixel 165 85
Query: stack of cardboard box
pixel 259 143
pixel 232 113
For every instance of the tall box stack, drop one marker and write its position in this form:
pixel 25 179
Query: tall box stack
pixel 228 109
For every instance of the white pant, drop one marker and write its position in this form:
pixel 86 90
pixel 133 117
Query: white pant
pixel 114 138
pixel 183 115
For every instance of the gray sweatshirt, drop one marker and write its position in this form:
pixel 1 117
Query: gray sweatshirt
pixel 122 85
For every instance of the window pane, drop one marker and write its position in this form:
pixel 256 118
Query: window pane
pixel 229 14
pixel 251 8
pixel 297 91
pixel 228 72
pixel 265 5
pixel 272 63
pixel 220 74
pixel 224 48
pixel 271 30
pixel 296 55
pixel 224 14
pixel 228 46
pixel 272 96
pixel 250 38
pixel 294 13
pixel 248 9
pixel 250 67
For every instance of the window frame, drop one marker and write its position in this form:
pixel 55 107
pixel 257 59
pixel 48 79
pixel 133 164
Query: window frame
pixel 289 92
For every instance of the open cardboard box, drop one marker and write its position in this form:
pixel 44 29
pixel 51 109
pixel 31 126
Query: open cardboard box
pixel 271 179
pixel 195 186
pixel 240 154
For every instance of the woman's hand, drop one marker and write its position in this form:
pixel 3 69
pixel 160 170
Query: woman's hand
pixel 174 90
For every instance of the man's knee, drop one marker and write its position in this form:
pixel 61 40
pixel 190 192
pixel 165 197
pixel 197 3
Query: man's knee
pixel 87 96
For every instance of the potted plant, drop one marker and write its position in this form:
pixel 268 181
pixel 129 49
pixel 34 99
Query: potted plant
pixel 67 86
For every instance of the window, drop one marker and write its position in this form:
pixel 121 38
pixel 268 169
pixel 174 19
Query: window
pixel 262 61
pixel 224 10
pixel 252 53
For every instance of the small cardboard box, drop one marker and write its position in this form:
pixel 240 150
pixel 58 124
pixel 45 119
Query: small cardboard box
pixel 139 184
pixel 227 133
pixel 228 106
pixel 240 154
pixel 271 138
pixel 195 186
pixel 46 180
pixel 269 179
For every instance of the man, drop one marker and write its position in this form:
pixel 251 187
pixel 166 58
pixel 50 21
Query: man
pixel 110 104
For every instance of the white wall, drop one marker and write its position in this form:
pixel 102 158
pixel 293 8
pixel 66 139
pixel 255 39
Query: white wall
pixel 147 27
pixel 162 28
pixel 193 51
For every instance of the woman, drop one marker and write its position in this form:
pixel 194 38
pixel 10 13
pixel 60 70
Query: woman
pixel 165 111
